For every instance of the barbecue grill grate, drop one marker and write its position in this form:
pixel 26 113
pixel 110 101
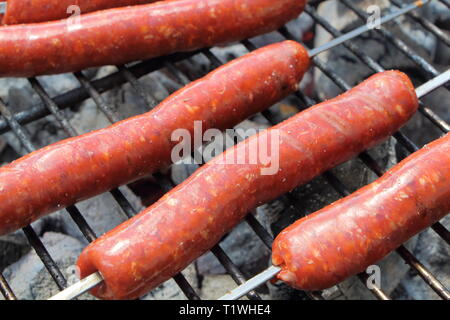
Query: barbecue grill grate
pixel 130 74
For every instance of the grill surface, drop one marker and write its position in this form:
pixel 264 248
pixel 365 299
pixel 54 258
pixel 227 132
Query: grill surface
pixel 130 74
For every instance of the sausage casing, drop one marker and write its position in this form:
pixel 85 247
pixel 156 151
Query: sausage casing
pixel 162 240
pixel 33 11
pixel 343 239
pixel 121 35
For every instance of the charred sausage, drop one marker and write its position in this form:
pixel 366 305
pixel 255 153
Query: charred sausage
pixel 32 11
pixel 355 232
pixel 121 35
pixel 81 167
pixel 162 240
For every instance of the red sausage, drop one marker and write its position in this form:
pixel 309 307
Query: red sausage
pixel 162 240
pixel 31 11
pixel 81 167
pixel 122 35
pixel 353 233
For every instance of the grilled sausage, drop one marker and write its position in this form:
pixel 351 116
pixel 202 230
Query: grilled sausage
pixel 355 232
pixel 32 11
pixel 81 167
pixel 162 240
pixel 121 35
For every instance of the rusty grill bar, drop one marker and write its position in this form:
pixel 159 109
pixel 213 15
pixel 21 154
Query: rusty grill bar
pixel 130 74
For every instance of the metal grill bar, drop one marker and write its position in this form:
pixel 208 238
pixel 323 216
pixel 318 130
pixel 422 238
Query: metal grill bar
pixel 440 123
pixel 445 2
pixel 375 290
pixel 260 231
pixel 123 202
pixel 234 271
pixel 5 289
pixel 149 100
pixel 78 95
pixel 73 211
pixel 186 287
pixel 364 28
pixel 426 24
pixel 399 44
pixel 52 107
pixel 95 95
pixel 45 257
pixel 442 232
pixel 30 234
pixel 372 64
pixel 429 278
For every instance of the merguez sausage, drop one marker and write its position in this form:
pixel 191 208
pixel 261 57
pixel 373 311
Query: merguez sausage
pixel 122 35
pixel 162 240
pixel 32 11
pixel 81 167
pixel 355 232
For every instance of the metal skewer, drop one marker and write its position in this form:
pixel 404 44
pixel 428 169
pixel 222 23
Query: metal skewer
pixel 354 33
pixel 433 84
pixel 95 279
pixel 251 284
pixel 79 288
